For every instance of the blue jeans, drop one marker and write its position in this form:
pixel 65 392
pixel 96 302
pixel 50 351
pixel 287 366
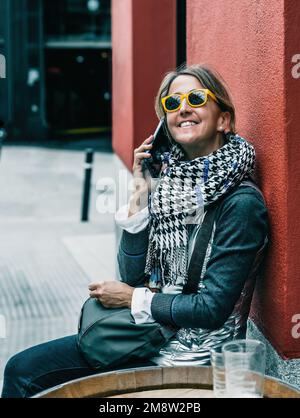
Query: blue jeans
pixel 46 365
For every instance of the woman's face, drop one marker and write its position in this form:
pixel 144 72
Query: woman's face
pixel 205 132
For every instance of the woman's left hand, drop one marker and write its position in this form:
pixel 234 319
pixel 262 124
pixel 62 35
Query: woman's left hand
pixel 112 294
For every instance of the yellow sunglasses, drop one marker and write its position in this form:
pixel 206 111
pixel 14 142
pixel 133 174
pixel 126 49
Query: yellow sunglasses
pixel 195 98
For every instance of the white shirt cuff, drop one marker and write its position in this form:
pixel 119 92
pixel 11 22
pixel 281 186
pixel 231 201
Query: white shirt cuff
pixel 135 223
pixel 141 305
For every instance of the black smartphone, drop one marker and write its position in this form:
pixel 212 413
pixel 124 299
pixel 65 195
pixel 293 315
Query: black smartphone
pixel 161 144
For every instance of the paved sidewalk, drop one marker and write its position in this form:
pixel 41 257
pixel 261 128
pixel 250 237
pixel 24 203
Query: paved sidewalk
pixel 47 256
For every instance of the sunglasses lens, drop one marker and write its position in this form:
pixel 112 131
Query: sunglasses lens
pixel 172 102
pixel 197 98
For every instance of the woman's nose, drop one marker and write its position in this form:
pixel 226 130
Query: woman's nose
pixel 184 107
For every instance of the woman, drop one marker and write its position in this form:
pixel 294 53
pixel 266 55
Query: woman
pixel 207 164
pixel 205 150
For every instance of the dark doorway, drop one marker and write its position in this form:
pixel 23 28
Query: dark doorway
pixel 78 85
pixel 78 66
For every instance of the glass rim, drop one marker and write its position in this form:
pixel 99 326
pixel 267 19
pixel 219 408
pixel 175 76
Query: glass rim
pixel 243 343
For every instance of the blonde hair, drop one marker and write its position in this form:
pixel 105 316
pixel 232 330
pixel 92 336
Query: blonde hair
pixel 208 78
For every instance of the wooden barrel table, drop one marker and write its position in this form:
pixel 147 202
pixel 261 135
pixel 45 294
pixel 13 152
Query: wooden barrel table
pixel 155 382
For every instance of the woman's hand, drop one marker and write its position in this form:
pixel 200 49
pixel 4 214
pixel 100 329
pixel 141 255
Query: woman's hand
pixel 112 294
pixel 139 154
pixel 139 198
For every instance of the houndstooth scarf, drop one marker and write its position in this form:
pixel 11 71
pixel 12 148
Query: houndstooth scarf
pixel 184 190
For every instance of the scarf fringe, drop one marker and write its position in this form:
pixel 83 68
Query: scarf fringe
pixel 169 266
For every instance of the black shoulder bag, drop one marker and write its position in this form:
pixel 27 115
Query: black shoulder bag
pixel 109 337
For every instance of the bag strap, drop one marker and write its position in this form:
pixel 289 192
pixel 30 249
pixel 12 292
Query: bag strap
pixel 251 183
pixel 199 252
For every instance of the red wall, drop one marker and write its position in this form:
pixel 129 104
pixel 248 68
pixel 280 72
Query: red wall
pixel 122 78
pixel 144 48
pixel 251 44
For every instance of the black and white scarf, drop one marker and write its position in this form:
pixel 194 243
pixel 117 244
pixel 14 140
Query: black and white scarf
pixel 187 187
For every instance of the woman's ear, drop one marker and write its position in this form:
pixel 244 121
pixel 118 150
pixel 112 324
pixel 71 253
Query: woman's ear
pixel 223 124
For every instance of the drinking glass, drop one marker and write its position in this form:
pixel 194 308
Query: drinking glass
pixel 217 363
pixel 245 362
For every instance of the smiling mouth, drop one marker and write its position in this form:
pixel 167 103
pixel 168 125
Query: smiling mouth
pixel 187 124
